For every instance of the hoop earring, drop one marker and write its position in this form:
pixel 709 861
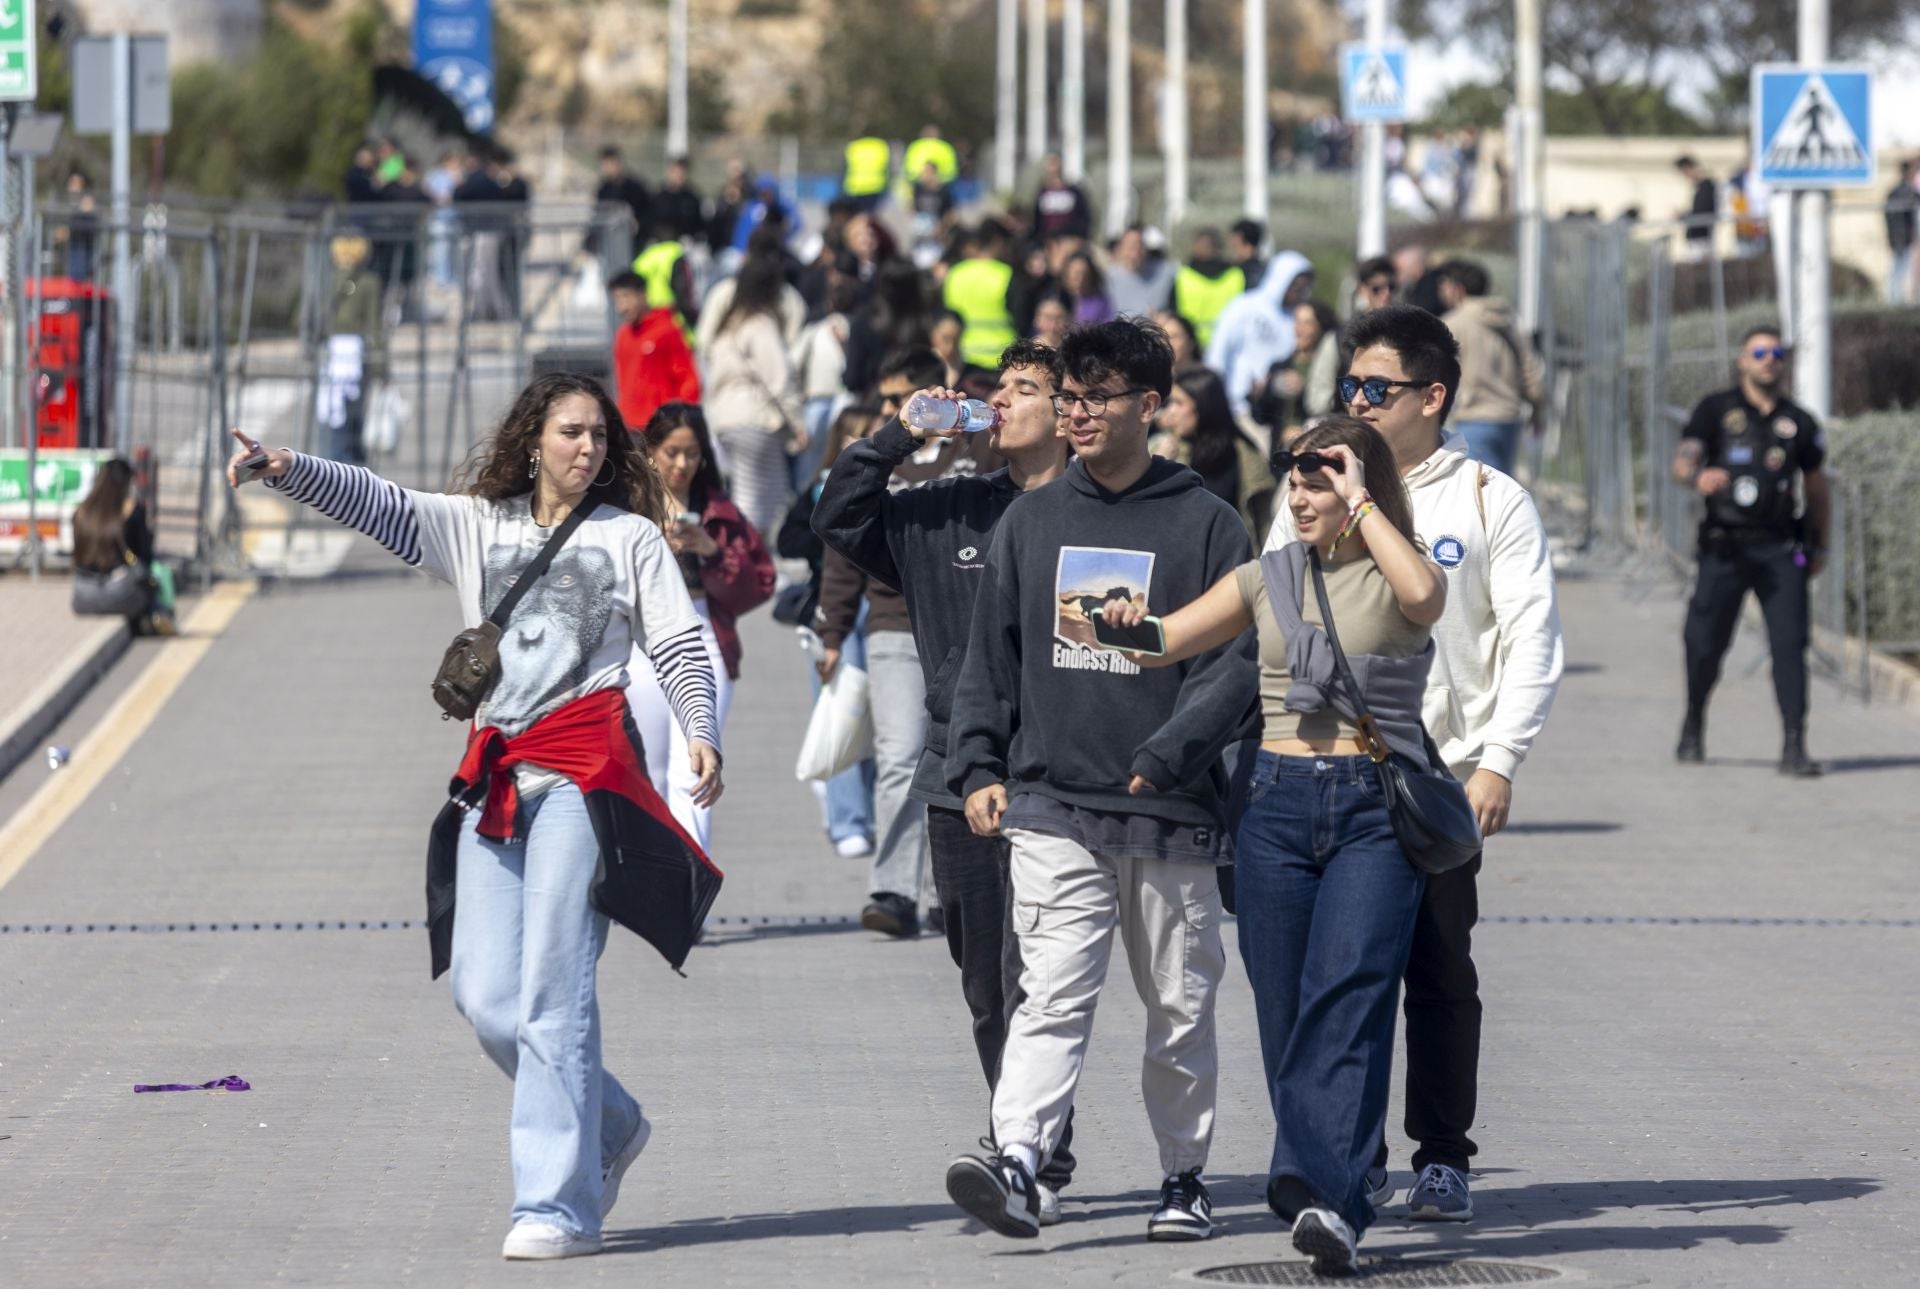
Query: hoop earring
pixel 533 465
pixel 598 482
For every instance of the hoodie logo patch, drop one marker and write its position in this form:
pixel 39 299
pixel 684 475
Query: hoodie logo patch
pixel 1449 552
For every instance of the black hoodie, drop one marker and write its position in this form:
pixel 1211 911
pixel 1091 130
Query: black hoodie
pixel 1041 710
pixel 931 542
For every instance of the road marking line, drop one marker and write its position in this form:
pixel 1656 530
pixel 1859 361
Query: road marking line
pixel 96 755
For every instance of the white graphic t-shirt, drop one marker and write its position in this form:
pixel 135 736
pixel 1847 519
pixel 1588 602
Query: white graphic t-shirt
pixel 613 586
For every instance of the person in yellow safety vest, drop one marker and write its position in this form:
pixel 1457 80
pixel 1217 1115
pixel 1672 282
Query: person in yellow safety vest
pixel 930 147
pixel 869 166
pixel 976 289
pixel 1206 285
pixel 663 267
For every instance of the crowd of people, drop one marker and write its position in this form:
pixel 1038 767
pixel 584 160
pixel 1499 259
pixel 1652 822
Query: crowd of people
pixel 1151 649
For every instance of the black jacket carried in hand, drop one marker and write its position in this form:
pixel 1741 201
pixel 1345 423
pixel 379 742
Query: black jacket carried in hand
pixel 1043 710
pixel 930 541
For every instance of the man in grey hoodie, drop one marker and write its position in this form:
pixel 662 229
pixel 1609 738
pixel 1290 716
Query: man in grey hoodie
pixel 1105 777
pixel 1500 375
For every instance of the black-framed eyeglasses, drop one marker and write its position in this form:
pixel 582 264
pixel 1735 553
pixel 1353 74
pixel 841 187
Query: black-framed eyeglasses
pixel 1096 404
pixel 1307 463
pixel 1375 388
pixel 1760 353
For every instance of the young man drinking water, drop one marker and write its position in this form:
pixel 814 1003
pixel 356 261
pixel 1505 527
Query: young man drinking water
pixel 1487 700
pixel 932 543
pixel 1105 778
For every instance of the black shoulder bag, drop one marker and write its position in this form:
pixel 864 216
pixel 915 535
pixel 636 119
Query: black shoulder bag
pixel 1428 807
pixel 471 664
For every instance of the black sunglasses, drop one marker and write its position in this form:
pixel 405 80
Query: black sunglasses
pixel 1307 463
pixel 1375 388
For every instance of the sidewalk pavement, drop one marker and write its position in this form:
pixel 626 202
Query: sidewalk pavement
pixel 49 657
pixel 1701 1037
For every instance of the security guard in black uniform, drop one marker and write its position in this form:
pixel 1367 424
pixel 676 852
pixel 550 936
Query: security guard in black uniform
pixel 1741 452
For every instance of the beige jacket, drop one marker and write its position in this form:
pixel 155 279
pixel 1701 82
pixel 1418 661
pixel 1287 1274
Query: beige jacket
pixel 750 380
pixel 1499 372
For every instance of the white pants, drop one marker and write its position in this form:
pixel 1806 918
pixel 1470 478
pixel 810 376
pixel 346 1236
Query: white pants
pixel 758 478
pixel 663 739
pixel 1067 903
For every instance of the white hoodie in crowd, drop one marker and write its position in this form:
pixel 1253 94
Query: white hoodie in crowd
pixel 1497 645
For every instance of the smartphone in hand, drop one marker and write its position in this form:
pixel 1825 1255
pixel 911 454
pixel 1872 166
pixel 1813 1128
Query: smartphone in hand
pixel 1145 638
pixel 250 469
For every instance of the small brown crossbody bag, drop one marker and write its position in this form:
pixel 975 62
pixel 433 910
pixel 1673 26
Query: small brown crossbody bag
pixel 471 665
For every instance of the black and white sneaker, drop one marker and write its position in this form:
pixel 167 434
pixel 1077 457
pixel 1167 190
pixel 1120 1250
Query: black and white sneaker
pixel 1379 1187
pixel 1185 1212
pixel 998 1190
pixel 1325 1236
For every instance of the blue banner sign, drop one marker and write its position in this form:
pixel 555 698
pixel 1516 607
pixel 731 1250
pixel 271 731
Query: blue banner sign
pixel 453 48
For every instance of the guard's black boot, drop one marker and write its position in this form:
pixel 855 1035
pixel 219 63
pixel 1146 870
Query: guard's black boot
pixel 1692 749
pixel 1794 761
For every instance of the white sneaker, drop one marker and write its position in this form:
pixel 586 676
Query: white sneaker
pixel 1049 1204
pixel 610 1175
pixel 535 1241
pixel 1325 1236
pixel 853 847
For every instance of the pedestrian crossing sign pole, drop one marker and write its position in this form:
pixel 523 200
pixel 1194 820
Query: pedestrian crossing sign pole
pixel 1373 83
pixel 1813 126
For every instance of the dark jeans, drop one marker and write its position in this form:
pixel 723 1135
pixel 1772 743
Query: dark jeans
pixel 970 877
pixel 1443 1023
pixel 1771 571
pixel 1327 907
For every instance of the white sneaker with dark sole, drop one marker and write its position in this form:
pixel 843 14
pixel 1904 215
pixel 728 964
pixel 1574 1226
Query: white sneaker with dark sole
pixel 1325 1236
pixel 615 1170
pixel 536 1241
pixel 997 1191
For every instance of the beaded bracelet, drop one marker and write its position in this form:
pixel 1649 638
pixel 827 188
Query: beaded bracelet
pixel 1354 519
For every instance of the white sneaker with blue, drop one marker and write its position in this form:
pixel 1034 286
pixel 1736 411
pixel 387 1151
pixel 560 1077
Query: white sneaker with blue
pixel 616 1168
pixel 1440 1194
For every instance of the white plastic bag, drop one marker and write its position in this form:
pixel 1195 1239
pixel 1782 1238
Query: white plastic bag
pixel 589 289
pixel 840 732
pixel 388 413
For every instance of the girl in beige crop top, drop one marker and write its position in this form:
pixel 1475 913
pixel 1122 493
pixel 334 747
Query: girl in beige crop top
pixel 1385 594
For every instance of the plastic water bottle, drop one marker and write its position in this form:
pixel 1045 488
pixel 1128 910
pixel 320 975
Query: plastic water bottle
pixel 968 415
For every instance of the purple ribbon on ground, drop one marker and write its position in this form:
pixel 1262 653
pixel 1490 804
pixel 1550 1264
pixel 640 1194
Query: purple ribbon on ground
pixel 232 1083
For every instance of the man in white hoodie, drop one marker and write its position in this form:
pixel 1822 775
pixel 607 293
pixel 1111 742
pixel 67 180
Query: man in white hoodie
pixel 1498 665
pixel 1256 330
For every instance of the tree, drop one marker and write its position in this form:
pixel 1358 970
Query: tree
pixel 1631 109
pixel 1606 46
pixel 890 66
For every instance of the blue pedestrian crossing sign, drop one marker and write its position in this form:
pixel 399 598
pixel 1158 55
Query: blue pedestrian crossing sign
pixel 1373 83
pixel 1813 126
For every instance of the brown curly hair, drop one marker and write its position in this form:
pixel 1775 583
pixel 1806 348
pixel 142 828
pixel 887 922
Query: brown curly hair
pixel 497 467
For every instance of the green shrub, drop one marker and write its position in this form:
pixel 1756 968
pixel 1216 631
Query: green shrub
pixel 1875 460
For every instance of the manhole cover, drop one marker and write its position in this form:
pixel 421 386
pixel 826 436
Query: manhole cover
pixel 1381 1271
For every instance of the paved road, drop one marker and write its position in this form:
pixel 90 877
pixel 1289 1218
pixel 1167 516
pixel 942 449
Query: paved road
pixel 1727 1101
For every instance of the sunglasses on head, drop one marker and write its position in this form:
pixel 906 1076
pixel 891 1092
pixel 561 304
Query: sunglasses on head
pixel 1307 463
pixel 1376 388
pixel 1761 353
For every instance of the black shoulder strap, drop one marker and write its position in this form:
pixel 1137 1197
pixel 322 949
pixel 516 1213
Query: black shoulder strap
pixel 1363 718
pixel 534 571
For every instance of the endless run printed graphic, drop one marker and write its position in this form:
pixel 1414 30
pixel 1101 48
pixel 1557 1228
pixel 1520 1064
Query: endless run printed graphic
pixel 1086 578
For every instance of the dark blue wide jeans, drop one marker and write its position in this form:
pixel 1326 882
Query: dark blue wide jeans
pixel 1326 903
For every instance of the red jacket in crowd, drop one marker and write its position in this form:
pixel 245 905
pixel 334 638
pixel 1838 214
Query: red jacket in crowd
pixel 737 577
pixel 652 365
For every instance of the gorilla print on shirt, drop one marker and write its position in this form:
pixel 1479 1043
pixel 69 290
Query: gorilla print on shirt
pixel 554 630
